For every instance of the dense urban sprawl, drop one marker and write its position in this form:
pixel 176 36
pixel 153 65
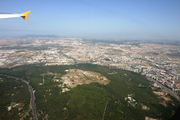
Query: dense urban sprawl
pixel 157 61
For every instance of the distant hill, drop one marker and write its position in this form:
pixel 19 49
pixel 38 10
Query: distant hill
pixel 34 35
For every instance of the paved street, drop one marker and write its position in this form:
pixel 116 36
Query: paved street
pixel 167 89
pixel 32 95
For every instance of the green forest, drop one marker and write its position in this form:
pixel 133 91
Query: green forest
pixel 13 92
pixel 93 101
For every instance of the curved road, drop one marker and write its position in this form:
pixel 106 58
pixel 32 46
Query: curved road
pixel 32 95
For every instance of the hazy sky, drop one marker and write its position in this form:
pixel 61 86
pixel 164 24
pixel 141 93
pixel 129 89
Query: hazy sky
pixel 123 19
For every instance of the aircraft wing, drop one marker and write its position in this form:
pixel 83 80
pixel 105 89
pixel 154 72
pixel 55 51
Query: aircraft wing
pixel 9 15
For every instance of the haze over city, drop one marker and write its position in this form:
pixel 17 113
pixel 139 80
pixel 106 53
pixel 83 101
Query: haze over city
pixel 121 19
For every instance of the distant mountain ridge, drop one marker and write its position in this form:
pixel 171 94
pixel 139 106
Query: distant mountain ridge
pixel 34 35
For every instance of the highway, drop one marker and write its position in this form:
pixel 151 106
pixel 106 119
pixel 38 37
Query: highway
pixel 172 93
pixel 32 94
